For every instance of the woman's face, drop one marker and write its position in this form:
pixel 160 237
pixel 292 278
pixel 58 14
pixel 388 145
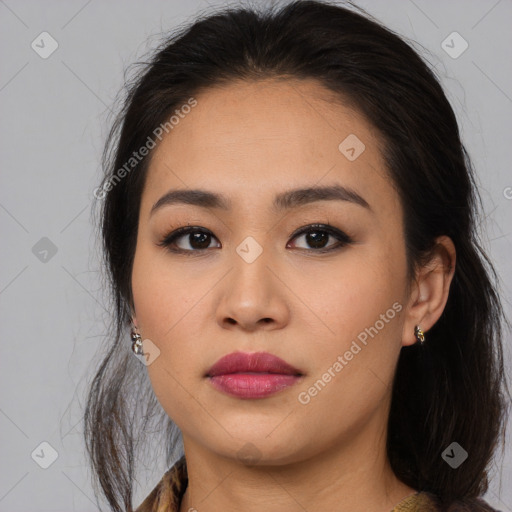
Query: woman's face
pixel 254 278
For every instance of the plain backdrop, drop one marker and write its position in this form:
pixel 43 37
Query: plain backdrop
pixel 54 119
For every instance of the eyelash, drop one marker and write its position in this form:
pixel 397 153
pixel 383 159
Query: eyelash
pixel 343 238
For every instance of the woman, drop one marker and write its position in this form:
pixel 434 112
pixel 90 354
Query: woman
pixel 288 218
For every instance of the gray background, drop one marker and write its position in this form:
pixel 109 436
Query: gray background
pixel 54 119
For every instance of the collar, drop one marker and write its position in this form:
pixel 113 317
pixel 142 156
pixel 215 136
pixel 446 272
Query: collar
pixel 168 493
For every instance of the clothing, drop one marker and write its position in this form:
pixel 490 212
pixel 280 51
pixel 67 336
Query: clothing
pixel 168 493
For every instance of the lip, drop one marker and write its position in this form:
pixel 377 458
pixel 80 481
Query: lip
pixel 252 375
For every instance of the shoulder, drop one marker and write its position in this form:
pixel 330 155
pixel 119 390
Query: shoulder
pixel 166 495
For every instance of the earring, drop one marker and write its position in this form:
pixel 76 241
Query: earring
pixel 137 343
pixel 420 336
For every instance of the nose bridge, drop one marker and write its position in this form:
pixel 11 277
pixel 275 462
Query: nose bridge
pixel 251 293
pixel 251 259
pixel 253 237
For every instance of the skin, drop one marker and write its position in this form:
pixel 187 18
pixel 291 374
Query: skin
pixel 251 141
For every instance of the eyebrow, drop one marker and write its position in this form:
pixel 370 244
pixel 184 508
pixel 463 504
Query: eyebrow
pixel 283 201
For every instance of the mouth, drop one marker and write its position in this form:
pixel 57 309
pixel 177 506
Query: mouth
pixel 252 375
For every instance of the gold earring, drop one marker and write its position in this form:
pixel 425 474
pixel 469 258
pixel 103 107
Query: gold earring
pixel 420 336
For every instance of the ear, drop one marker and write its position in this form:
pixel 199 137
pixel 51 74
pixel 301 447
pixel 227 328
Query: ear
pixel 430 289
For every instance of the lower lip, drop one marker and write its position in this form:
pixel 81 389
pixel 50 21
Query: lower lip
pixel 253 385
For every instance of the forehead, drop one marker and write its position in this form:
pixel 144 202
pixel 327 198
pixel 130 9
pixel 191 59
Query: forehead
pixel 250 140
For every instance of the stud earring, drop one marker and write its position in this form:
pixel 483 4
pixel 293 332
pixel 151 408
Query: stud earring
pixel 420 336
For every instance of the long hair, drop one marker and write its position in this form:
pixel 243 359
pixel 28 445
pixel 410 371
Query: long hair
pixel 450 389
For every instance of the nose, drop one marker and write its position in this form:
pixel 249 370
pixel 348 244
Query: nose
pixel 253 296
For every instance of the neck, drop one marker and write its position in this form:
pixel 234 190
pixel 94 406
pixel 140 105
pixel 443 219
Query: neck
pixel 353 476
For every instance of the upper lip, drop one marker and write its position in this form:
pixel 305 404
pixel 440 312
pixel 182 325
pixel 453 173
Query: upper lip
pixel 258 362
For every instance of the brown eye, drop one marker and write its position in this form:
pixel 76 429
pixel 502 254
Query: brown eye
pixel 192 239
pixel 197 239
pixel 317 237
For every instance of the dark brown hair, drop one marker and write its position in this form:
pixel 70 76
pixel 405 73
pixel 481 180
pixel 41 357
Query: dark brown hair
pixel 452 388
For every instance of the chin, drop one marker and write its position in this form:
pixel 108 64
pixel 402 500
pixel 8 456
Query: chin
pixel 255 448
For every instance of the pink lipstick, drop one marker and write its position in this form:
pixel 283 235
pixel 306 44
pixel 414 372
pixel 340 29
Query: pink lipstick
pixel 252 375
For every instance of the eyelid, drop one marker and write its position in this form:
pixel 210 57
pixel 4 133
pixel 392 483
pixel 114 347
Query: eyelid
pixel 325 226
pixel 174 234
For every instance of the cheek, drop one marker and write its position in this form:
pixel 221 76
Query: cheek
pixel 353 294
pixel 163 305
pixel 169 305
pixel 354 363
pixel 161 294
pixel 361 304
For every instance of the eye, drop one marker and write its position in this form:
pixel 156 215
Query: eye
pixel 192 239
pixel 197 238
pixel 317 236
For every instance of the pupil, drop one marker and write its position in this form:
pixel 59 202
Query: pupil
pixel 197 239
pixel 316 241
